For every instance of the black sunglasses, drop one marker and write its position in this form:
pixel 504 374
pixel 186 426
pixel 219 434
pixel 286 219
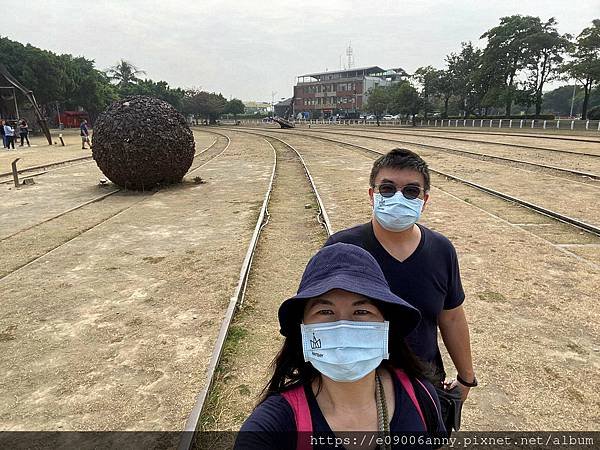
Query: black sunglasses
pixel 410 191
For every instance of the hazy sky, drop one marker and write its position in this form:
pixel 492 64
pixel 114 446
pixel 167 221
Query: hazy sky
pixel 249 48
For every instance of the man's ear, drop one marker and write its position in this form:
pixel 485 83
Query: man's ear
pixel 425 198
pixel 371 192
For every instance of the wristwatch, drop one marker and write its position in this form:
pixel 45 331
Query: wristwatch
pixel 466 383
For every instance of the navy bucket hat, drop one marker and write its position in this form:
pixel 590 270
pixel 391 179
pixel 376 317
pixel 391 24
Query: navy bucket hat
pixel 353 269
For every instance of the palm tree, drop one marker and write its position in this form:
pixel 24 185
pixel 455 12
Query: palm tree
pixel 124 72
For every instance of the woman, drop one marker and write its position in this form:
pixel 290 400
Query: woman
pixel 344 366
pixel 24 133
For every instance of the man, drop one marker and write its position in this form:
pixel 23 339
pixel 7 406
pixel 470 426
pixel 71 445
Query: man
pixel 421 267
pixel 85 134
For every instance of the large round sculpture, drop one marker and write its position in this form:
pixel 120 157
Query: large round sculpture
pixel 141 142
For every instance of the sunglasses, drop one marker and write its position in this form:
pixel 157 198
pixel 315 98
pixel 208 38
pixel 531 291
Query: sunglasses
pixel 410 191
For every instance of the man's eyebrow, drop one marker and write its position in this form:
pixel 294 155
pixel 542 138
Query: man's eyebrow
pixel 412 183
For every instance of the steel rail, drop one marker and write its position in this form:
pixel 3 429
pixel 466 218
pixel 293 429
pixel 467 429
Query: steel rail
pixel 477 141
pixel 425 128
pixel 539 209
pixel 193 421
pixel 48 165
pixel 483 155
pixel 102 197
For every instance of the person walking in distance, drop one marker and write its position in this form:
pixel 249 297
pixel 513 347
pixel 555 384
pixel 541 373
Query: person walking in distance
pixel 24 132
pixel 85 134
pixel 9 132
pixel 421 266
pixel 2 132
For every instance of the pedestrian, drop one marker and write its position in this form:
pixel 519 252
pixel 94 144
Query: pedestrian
pixel 344 365
pixel 421 266
pixel 9 132
pixel 24 132
pixel 2 132
pixel 85 134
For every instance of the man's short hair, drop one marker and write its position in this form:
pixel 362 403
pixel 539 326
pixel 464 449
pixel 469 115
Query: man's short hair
pixel 401 158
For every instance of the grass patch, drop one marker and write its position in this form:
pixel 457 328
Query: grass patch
pixel 491 296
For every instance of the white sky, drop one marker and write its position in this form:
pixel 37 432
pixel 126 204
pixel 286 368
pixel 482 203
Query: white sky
pixel 251 48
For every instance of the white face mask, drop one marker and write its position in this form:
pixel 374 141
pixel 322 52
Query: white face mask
pixel 345 350
pixel 396 213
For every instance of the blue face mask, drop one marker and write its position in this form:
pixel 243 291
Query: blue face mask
pixel 345 350
pixel 396 213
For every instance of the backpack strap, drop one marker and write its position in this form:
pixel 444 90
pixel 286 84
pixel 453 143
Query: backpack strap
pixel 410 390
pixel 437 412
pixel 296 397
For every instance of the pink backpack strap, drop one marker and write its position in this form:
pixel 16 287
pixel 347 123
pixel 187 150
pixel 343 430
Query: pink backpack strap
pixel 410 390
pixel 296 397
pixel 430 397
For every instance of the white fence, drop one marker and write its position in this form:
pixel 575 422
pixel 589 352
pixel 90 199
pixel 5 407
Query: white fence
pixel 559 124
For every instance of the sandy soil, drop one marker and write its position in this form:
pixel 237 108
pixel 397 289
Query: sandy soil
pixel 291 237
pixel 113 331
pixel 577 146
pixel 540 188
pixel 42 153
pixel 532 309
pixel 574 162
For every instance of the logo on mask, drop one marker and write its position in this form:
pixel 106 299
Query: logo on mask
pixel 315 343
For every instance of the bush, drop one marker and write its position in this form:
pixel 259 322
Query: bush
pixel 594 113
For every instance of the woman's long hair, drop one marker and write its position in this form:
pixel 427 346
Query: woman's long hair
pixel 290 370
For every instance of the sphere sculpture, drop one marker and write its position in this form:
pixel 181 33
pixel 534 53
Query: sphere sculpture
pixel 140 142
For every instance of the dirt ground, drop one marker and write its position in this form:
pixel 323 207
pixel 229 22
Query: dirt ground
pixel 439 138
pixel 42 153
pixel 290 238
pixel 533 310
pixel 114 330
pixel 543 189
pixel 564 160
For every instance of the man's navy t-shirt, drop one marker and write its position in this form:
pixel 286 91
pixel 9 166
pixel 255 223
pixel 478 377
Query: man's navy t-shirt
pixel 429 279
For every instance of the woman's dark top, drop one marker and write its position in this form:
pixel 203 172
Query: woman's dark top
pixel 272 424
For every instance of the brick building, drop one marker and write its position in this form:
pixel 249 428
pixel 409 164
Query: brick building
pixel 342 92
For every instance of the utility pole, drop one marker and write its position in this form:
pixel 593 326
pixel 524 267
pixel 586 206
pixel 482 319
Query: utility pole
pixel 573 99
pixel 273 103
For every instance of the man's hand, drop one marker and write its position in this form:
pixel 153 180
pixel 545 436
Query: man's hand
pixel 451 383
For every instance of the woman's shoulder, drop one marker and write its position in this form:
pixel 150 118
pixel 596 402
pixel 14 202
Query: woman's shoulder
pixel 272 415
pixel 271 426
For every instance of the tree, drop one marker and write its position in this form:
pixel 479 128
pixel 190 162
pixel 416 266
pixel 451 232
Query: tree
pixel 157 89
pixel 585 65
pixel 124 73
pixel 507 52
pixel 428 78
pixel 462 79
pixel 204 105
pixel 404 99
pixel 546 48
pixel 378 101
pixel 234 107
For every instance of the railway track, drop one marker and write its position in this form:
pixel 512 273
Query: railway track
pixel 475 141
pixel 426 129
pixel 573 224
pixel 6 240
pixel 6 177
pixel 285 156
pixel 484 156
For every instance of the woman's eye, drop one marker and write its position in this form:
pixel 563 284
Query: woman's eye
pixel 325 311
pixel 362 312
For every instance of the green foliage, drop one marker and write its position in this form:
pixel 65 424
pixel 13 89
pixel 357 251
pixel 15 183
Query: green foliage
pixel 404 99
pixel 204 105
pixel 235 107
pixel 378 101
pixel 125 73
pixel 585 63
pixel 158 89
pixel 594 113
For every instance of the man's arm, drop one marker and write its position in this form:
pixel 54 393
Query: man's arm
pixel 455 334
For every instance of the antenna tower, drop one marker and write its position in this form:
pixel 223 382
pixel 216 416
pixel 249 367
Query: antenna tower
pixel 350 55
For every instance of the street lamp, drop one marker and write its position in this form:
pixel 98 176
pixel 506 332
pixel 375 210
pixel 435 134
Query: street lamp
pixel 273 103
